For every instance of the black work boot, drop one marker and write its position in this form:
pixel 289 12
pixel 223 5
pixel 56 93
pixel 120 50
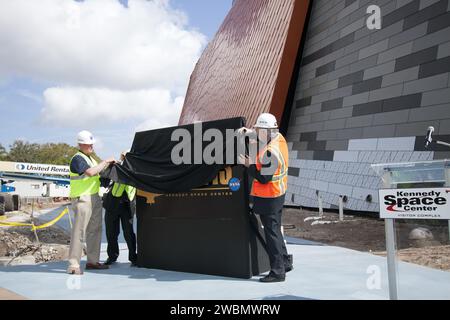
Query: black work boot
pixel 272 277
pixel 109 261
pixel 288 264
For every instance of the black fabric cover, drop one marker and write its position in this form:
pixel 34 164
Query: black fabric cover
pixel 208 230
pixel 149 166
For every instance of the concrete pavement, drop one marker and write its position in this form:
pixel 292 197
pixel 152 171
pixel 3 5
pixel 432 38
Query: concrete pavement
pixel 320 272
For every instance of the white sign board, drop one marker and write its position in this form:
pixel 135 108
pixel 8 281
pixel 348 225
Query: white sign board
pixel 19 167
pixel 423 203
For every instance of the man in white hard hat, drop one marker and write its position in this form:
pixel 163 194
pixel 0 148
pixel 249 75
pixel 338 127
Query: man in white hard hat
pixel 87 205
pixel 120 211
pixel 268 168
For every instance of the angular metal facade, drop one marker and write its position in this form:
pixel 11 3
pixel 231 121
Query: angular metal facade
pixel 247 68
pixel 361 96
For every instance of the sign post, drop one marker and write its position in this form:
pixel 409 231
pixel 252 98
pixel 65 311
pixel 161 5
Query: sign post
pixel 391 244
pixel 417 190
pixel 447 184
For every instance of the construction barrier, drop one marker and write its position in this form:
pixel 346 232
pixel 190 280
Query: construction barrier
pixel 34 227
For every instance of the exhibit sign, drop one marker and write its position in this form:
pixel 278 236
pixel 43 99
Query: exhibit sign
pixel 422 203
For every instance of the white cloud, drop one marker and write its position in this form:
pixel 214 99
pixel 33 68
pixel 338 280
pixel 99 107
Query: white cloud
pixel 98 43
pixel 29 95
pixel 106 62
pixel 77 107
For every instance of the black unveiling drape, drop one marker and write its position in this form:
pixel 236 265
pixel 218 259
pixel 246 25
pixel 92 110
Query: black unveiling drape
pixel 149 167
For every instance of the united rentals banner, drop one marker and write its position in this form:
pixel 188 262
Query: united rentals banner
pixel 21 167
pixel 423 203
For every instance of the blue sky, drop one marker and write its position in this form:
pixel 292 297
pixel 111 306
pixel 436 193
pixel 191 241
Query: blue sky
pixel 39 105
pixel 204 15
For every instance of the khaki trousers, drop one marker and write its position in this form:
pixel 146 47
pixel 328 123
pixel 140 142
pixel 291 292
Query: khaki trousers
pixel 87 227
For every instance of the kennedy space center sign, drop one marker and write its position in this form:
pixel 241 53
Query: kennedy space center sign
pixel 424 203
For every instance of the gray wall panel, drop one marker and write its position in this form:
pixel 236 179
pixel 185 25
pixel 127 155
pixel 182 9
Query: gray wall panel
pixel 367 96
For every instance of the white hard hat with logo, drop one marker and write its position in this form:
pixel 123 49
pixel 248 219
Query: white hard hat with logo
pixel 85 137
pixel 266 121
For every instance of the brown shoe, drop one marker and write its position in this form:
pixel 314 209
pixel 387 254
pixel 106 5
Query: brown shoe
pixel 96 266
pixel 74 271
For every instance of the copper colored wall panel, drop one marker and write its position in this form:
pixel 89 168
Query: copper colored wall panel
pixel 246 69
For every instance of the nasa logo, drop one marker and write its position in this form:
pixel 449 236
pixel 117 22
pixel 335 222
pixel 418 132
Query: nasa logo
pixel 234 184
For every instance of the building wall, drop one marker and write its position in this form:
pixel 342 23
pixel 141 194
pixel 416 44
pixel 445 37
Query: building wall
pixel 248 66
pixel 367 96
pixel 28 188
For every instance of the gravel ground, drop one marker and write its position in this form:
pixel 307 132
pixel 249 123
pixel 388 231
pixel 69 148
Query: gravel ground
pixel 21 241
pixel 365 233
pixel 358 232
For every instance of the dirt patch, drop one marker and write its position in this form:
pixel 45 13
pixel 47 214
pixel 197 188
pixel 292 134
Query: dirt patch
pixel 9 295
pixel 434 257
pixel 366 233
pixel 21 241
pixel 28 205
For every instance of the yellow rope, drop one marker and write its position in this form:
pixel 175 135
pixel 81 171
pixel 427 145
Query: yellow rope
pixel 33 227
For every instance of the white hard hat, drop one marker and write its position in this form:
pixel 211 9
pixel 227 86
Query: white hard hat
pixel 266 121
pixel 85 137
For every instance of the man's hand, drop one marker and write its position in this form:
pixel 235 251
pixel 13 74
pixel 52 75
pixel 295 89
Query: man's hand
pixel 100 167
pixel 250 133
pixel 244 130
pixel 245 160
pixel 110 160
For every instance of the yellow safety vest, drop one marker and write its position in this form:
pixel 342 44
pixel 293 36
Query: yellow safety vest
pixel 82 184
pixel 119 188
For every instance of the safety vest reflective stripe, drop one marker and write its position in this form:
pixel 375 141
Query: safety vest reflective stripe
pixel 280 159
pixel 82 184
pixel 119 188
pixel 279 178
pixel 283 172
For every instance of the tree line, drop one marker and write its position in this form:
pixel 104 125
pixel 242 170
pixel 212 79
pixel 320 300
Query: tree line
pixel 47 153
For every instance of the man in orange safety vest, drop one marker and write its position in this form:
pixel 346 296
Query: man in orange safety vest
pixel 270 173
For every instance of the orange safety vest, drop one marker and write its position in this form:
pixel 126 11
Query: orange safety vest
pixel 278 185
